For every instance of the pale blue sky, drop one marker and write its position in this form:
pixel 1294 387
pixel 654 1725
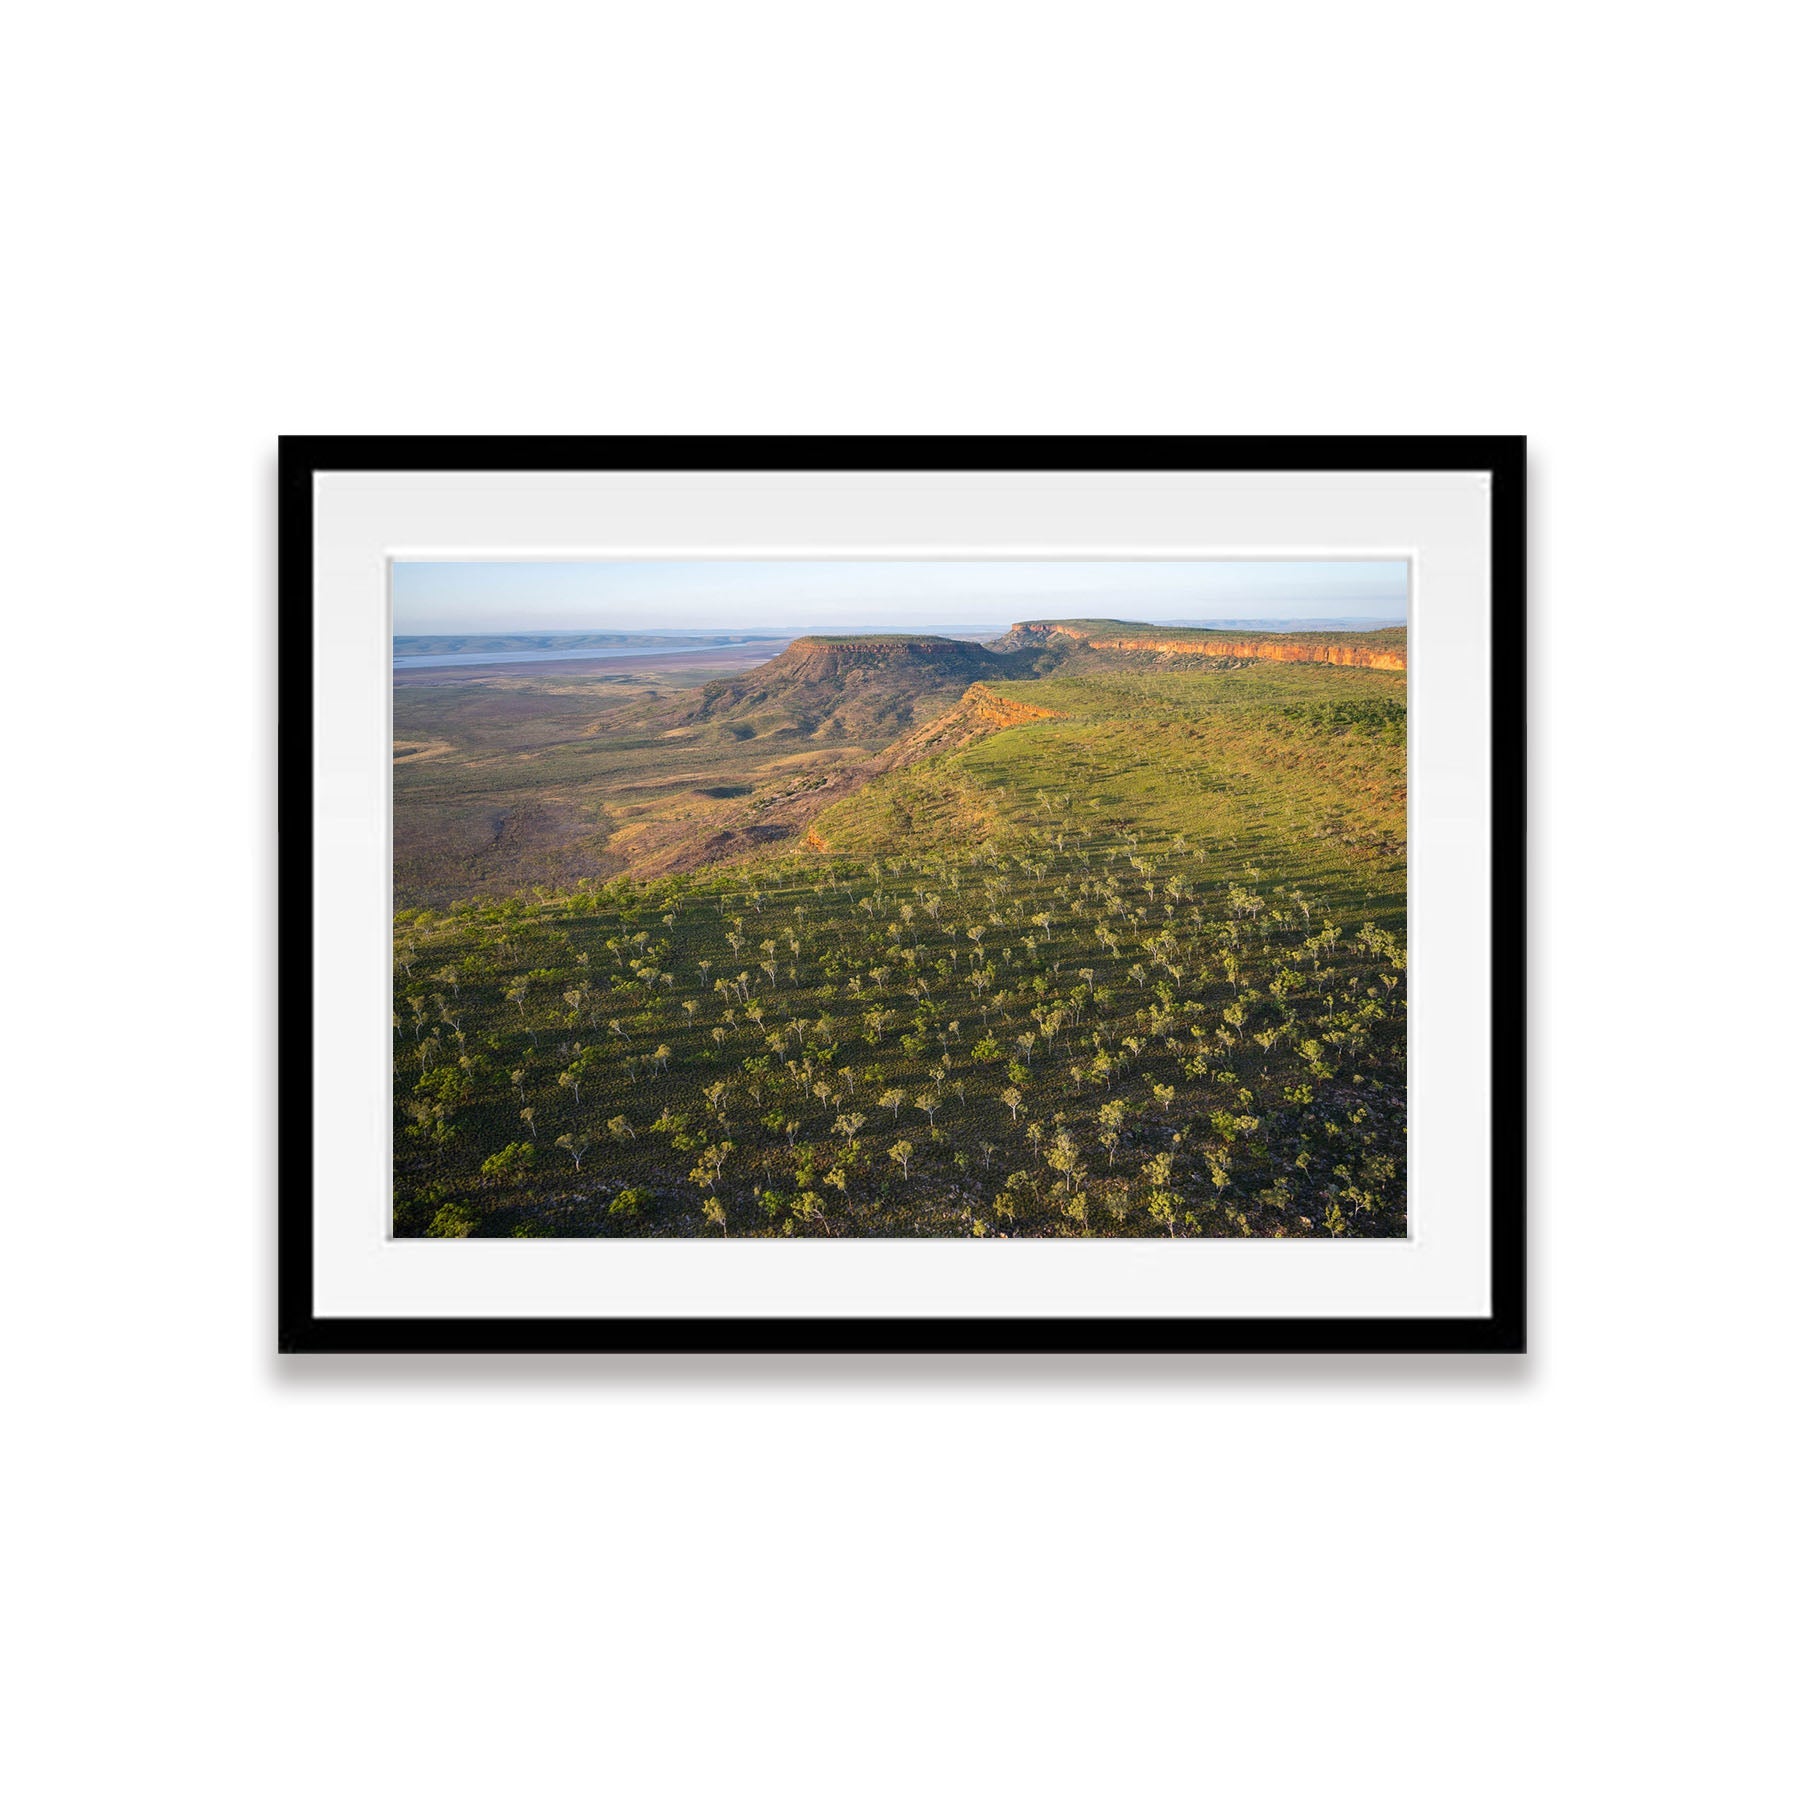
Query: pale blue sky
pixel 922 596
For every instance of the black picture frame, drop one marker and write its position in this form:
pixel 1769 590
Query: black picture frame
pixel 301 1329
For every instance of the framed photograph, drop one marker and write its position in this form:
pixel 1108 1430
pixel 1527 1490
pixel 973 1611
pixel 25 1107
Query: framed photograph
pixel 865 894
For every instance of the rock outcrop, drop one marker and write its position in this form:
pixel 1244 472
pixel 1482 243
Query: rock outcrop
pixel 978 714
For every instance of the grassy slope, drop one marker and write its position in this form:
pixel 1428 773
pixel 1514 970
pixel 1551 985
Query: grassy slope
pixel 1297 766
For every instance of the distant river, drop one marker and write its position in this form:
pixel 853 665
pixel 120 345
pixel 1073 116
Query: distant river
pixel 606 653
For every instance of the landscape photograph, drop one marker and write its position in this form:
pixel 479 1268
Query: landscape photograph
pixel 776 899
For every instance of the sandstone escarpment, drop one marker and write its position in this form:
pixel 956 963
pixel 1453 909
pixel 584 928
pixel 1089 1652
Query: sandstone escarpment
pixel 831 662
pixel 833 652
pixel 1361 650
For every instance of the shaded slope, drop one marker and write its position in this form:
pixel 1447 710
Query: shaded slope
pixel 867 691
pixel 783 810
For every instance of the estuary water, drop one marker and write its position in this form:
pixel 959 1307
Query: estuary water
pixel 605 653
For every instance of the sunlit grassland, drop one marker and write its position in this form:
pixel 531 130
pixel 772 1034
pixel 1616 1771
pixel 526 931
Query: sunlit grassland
pixel 1234 759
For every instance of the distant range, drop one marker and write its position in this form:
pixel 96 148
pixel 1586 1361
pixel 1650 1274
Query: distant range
pixel 419 650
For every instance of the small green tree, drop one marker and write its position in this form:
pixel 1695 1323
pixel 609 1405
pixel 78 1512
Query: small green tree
pixel 1112 1117
pixel 452 1220
pixel 515 1159
pixel 711 1165
pixel 1162 1201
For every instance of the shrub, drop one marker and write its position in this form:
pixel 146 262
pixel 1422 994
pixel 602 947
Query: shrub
pixel 452 1219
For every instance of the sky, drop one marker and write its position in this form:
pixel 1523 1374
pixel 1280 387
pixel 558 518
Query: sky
pixel 449 597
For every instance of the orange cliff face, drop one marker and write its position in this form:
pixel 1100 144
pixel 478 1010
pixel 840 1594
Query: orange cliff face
pixel 1000 709
pixel 1301 647
pixel 977 714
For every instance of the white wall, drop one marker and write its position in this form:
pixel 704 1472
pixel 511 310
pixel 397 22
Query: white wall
pixel 237 1577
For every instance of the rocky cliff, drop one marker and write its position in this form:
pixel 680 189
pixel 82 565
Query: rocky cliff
pixel 840 653
pixel 1354 649
pixel 978 713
